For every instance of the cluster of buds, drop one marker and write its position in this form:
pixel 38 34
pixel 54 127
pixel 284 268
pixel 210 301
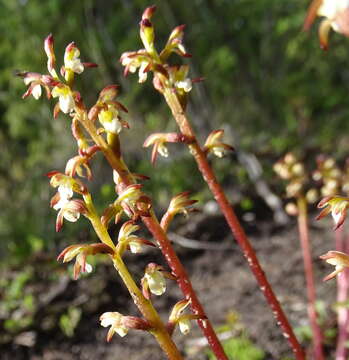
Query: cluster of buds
pixel 154 280
pixel 53 84
pixel 336 16
pixel 80 253
pixel 328 174
pixel 69 209
pixel 345 178
pixel 215 145
pixel 289 168
pixel 339 259
pixel 148 59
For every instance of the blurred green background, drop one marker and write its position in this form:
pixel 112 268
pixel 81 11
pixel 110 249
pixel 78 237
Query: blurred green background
pixel 267 83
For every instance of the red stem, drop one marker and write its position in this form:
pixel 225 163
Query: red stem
pixel 185 285
pixel 233 222
pixel 166 248
pixel 342 296
pixel 309 277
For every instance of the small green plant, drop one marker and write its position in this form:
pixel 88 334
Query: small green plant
pixel 240 348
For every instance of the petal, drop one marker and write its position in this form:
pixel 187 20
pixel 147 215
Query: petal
pixel 184 326
pixel 66 103
pixel 36 91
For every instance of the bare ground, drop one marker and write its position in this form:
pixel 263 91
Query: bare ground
pixel 221 277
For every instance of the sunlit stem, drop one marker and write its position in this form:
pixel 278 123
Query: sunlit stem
pixel 158 328
pixel 234 224
pixel 160 236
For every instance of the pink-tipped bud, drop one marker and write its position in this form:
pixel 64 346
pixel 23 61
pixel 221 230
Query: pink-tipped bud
pixel 149 12
pixel 109 93
pixel 51 58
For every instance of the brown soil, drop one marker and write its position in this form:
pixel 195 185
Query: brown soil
pixel 223 282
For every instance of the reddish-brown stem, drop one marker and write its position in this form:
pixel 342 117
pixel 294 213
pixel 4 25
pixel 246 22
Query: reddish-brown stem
pixel 233 222
pixel 342 296
pixel 166 220
pixel 164 243
pixel 309 277
pixel 184 284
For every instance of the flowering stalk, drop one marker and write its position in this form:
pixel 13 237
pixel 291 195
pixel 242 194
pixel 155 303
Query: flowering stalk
pixel 309 276
pixel 130 200
pixel 158 329
pixel 233 222
pixel 172 82
pixel 151 222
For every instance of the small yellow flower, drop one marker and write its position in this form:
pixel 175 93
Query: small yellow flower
pixel 72 61
pixel 110 120
pixel 66 98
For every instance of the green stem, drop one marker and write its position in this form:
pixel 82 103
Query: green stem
pixel 158 329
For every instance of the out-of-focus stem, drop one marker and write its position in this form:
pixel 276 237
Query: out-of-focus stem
pixel 342 296
pixel 309 277
pixel 234 224
pixel 163 241
pixel 158 329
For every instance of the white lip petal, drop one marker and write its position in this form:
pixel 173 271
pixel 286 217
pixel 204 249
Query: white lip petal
pixel 66 103
pixel 157 283
pixel 184 326
pixel 71 216
pixel 36 91
pixel 88 268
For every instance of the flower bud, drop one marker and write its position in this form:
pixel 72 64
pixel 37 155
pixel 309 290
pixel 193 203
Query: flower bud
pixel 72 61
pixel 51 58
